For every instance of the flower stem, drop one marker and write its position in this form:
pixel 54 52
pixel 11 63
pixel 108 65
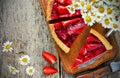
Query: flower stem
pixel 109 33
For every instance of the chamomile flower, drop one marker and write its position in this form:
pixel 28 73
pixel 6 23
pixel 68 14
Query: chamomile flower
pixel 82 4
pixel 76 5
pixel 24 60
pixel 110 10
pixel 30 70
pixel 7 46
pixel 106 22
pixel 12 69
pixel 101 10
pixel 71 9
pixel 88 18
pixel 88 7
pixel 115 25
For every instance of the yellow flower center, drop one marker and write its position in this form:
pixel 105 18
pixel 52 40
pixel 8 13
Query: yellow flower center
pixel 13 68
pixel 101 9
pixel 109 11
pixel 8 47
pixel 71 9
pixel 106 21
pixel 82 3
pixel 98 16
pixel 76 5
pixel 93 1
pixel 30 70
pixel 88 7
pixel 88 19
pixel 115 26
pixel 25 60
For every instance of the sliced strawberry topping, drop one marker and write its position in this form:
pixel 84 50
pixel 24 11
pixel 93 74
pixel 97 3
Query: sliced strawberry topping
pixel 92 48
pixel 62 10
pixel 64 2
pixel 71 22
pixel 62 35
pixel 92 39
pixel 78 61
pixel 58 26
pixel 67 31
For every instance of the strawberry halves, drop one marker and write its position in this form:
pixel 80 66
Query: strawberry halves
pixel 50 58
pixel 49 70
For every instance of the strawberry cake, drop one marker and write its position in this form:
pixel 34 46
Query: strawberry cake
pixel 69 26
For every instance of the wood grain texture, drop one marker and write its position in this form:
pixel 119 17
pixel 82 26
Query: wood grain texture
pixel 23 23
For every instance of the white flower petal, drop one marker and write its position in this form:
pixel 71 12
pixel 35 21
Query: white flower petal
pixel 30 70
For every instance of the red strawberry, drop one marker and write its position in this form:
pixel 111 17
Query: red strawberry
pixel 78 61
pixel 49 70
pixel 91 46
pixel 62 10
pixel 49 57
pixel 89 56
pixel 73 21
pixel 92 39
pixel 64 2
pixel 57 26
pixel 83 51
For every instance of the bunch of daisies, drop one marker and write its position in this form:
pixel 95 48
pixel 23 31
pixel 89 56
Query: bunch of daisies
pixel 106 12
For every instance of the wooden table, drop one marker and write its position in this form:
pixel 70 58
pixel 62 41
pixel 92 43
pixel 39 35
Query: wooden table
pixel 23 23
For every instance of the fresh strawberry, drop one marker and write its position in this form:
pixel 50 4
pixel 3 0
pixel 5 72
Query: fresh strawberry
pixel 49 57
pixel 57 26
pixel 83 51
pixel 64 2
pixel 78 61
pixel 62 34
pixel 77 13
pixel 49 70
pixel 70 22
pixel 89 56
pixel 62 10
pixel 54 15
pixel 92 39
pixel 91 46
pixel 99 51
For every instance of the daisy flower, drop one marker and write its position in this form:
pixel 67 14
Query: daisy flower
pixel 82 4
pixel 71 9
pixel 24 60
pixel 12 69
pixel 106 22
pixel 100 11
pixel 76 5
pixel 115 25
pixel 7 46
pixel 88 7
pixel 88 18
pixel 30 70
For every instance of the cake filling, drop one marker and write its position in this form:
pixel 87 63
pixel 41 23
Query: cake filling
pixel 92 48
pixel 67 31
pixel 59 9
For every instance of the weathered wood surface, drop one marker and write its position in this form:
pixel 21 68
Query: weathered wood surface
pixel 23 23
